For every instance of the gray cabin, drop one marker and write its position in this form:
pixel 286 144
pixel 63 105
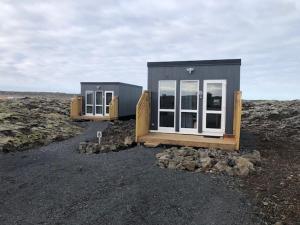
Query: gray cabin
pixel 97 97
pixel 193 97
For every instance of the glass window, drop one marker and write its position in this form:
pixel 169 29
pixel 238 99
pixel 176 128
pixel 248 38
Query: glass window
pixel 167 94
pixel 98 98
pixel 108 98
pixel 89 109
pixel 189 94
pixel 166 119
pixel 89 98
pixel 214 96
pixel 188 120
pixel 107 109
pixel 99 110
pixel 213 120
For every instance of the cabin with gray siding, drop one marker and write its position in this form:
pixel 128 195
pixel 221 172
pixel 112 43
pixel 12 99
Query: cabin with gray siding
pixel 193 97
pixel 96 97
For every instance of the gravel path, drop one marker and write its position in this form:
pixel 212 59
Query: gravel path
pixel 56 185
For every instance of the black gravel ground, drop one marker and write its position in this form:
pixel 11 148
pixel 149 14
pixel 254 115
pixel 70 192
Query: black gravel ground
pixel 57 185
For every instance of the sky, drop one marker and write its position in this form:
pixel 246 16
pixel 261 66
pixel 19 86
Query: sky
pixel 54 45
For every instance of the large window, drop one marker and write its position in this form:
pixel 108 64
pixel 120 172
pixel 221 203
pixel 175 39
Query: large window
pixel 89 99
pixel 166 107
pixel 108 99
pixel 189 91
pixel 214 106
pixel 99 103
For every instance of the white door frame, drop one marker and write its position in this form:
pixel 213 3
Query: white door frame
pixel 99 114
pixel 166 129
pixel 212 131
pixel 86 105
pixel 189 130
pixel 105 105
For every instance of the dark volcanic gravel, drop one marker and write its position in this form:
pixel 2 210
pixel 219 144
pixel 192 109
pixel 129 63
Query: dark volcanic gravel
pixel 57 185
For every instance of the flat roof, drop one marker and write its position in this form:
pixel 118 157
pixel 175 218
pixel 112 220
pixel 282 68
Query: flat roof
pixel 197 62
pixel 111 83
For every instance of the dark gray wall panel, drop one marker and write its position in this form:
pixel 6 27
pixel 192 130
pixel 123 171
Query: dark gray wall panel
pixel 228 72
pixel 128 98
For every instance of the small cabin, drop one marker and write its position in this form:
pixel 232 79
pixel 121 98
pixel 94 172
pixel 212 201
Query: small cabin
pixel 105 101
pixel 191 103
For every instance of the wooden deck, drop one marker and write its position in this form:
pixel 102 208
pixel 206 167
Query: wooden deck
pixel 92 118
pixel 226 143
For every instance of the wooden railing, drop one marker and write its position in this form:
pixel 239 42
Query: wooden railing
pixel 114 108
pixel 237 118
pixel 142 115
pixel 76 107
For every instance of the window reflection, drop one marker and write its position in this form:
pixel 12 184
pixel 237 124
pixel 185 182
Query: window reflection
pixel 167 94
pixel 166 119
pixel 213 120
pixel 89 98
pixel 188 120
pixel 214 96
pixel 189 92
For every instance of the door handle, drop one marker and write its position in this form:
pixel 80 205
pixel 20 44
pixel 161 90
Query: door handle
pixel 200 94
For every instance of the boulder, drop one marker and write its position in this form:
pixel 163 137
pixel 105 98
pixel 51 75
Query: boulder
pixel 172 164
pixel 91 148
pixel 160 154
pixel 203 154
pixel 205 163
pixel 189 165
pixel 243 167
pixel 221 166
pixel 82 147
pixel 164 160
pixel 128 140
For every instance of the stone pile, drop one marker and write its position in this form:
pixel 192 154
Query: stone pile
pixel 119 135
pixel 204 160
pixel 33 121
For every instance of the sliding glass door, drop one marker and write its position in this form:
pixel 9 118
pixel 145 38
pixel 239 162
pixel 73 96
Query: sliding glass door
pixel 189 106
pixel 99 103
pixel 89 105
pixel 108 98
pixel 214 102
pixel 166 105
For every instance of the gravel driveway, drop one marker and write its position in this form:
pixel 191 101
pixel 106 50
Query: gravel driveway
pixel 56 185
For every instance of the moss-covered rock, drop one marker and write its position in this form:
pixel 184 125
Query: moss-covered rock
pixel 29 122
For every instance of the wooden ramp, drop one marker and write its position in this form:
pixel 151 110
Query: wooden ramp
pixel 226 143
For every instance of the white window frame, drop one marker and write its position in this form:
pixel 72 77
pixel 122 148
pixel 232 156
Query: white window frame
pixel 98 114
pixel 212 131
pixel 189 130
pixel 86 105
pixel 166 129
pixel 105 105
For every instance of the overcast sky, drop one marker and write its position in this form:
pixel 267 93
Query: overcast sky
pixel 53 45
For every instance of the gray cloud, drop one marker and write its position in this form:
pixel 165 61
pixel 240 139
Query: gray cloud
pixel 53 45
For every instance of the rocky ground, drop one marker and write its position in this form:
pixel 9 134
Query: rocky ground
pixel 118 135
pixel 276 125
pixel 26 122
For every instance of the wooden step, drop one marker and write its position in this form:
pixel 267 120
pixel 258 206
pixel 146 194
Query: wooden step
pixel 151 144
